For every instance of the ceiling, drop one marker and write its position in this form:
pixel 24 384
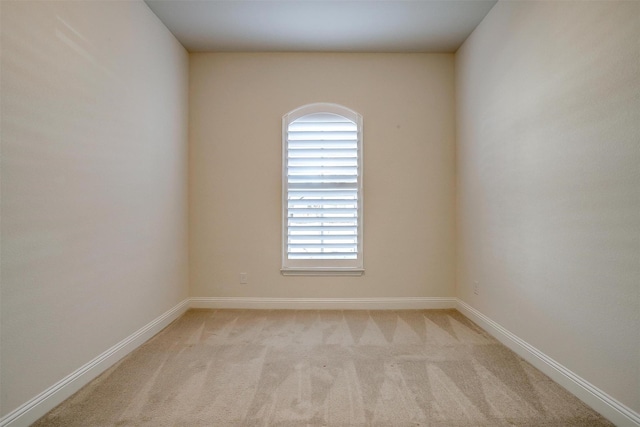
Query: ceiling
pixel 321 25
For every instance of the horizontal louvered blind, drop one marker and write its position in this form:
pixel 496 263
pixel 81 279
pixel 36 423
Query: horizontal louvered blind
pixel 322 178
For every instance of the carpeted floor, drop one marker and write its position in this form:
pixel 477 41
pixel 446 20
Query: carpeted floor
pixel 322 368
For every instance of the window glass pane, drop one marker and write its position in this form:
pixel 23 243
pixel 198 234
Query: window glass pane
pixel 322 187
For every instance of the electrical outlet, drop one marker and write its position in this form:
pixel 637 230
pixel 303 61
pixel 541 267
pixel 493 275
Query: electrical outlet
pixel 476 287
pixel 244 278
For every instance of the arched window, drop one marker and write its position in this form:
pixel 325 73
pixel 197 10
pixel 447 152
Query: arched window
pixel 322 190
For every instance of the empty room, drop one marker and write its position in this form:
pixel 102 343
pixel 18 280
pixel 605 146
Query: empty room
pixel 319 213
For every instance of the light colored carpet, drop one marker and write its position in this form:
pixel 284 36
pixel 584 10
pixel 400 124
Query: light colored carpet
pixel 322 368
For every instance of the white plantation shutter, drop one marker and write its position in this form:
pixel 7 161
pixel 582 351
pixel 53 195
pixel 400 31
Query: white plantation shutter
pixel 322 183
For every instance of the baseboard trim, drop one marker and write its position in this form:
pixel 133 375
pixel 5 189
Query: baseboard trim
pixel 401 303
pixel 610 408
pixel 35 408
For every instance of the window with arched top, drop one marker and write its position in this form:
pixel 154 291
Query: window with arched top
pixel 322 190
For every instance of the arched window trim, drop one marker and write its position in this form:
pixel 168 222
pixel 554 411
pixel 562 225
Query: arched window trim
pixel 321 266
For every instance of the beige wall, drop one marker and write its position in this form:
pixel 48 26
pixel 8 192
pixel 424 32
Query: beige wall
pixel 237 101
pixel 548 165
pixel 94 200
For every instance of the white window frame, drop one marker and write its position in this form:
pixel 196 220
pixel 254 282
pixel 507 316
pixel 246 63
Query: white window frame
pixel 334 267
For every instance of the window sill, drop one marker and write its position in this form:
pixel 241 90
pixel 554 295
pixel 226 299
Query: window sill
pixel 322 271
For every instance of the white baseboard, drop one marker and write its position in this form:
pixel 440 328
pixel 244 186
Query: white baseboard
pixel 35 408
pixel 401 303
pixel 610 408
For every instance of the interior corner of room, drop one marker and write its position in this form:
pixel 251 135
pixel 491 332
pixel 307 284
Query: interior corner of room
pixel 140 179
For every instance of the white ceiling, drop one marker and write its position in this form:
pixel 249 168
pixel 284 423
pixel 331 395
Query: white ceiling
pixel 321 25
